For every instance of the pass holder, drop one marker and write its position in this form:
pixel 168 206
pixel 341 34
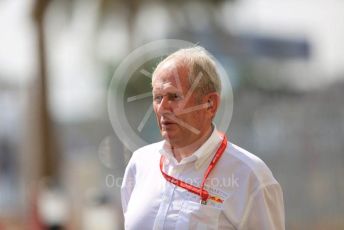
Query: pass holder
pixel 200 191
pixel 204 202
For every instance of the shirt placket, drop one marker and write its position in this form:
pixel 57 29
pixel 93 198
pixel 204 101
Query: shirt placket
pixel 166 201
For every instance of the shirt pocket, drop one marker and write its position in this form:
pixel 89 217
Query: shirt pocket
pixel 196 216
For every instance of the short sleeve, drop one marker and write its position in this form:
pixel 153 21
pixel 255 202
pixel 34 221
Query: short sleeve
pixel 128 184
pixel 265 209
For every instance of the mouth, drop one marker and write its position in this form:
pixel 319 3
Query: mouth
pixel 166 123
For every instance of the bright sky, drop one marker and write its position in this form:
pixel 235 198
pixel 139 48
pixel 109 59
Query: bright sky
pixel 321 21
pixel 74 47
pixel 17 47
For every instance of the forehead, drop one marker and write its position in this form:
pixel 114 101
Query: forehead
pixel 171 72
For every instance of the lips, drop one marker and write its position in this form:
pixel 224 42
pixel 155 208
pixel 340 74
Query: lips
pixel 167 122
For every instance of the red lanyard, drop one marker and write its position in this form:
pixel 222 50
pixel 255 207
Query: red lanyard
pixel 199 191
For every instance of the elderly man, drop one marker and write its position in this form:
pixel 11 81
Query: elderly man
pixel 195 178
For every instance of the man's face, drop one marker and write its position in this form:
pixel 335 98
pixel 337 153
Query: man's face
pixel 180 110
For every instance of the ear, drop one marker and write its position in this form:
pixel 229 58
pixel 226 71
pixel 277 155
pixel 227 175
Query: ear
pixel 213 100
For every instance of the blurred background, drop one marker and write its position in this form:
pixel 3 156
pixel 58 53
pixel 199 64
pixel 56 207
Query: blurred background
pixel 61 162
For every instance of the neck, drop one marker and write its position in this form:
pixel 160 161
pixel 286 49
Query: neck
pixel 183 152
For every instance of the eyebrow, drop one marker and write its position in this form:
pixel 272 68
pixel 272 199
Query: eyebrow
pixel 175 90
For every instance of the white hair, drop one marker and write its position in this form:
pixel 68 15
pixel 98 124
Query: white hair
pixel 198 60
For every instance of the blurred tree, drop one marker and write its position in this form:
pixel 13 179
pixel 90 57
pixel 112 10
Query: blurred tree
pixel 132 7
pixel 47 147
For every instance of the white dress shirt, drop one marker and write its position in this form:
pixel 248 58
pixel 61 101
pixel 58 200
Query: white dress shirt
pixel 252 198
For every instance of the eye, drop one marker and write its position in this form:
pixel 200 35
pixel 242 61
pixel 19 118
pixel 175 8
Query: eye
pixel 175 97
pixel 157 98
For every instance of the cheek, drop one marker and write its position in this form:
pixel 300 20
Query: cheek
pixel 192 118
pixel 178 108
pixel 155 108
pixel 199 117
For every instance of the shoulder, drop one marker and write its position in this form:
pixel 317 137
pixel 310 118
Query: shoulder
pixel 248 165
pixel 253 185
pixel 147 153
pixel 148 150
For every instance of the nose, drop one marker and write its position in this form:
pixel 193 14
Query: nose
pixel 164 106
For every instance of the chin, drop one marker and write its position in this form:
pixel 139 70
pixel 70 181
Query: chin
pixel 168 136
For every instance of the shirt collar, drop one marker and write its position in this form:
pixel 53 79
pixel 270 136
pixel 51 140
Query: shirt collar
pixel 200 155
